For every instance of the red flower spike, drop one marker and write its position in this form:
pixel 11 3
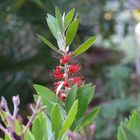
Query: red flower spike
pixel 62 97
pixel 77 80
pixel 58 92
pixel 58 68
pixel 65 59
pixel 56 84
pixel 74 68
pixel 57 74
pixel 65 73
pixel 66 84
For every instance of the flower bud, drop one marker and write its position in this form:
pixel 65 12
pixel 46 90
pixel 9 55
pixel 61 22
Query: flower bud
pixel 3 104
pixel 16 100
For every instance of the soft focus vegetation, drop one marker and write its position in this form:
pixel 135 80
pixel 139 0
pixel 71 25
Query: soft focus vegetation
pixel 112 64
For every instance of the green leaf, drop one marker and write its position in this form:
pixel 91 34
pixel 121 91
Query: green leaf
pixel 91 94
pixel 46 93
pixel 69 18
pixel 84 46
pixel 130 128
pixel 52 27
pixel 48 43
pixel 6 137
pixel 71 97
pixel 28 135
pixel 84 95
pixel 49 104
pixel 56 120
pixel 17 127
pixel 134 123
pixel 37 129
pixel 88 118
pixel 70 34
pixel 40 127
pixel 128 135
pixel 82 107
pixel 59 18
pixel 69 120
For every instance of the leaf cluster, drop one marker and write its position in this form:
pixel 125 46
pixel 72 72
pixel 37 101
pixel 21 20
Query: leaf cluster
pixel 68 116
pixel 130 128
pixel 64 28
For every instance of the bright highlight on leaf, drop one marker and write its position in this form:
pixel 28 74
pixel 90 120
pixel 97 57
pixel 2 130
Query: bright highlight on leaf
pixel 59 18
pixel 130 128
pixel 69 18
pixel 71 32
pixel 70 118
pixel 56 120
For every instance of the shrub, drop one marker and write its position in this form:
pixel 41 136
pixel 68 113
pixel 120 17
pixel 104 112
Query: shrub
pixel 59 112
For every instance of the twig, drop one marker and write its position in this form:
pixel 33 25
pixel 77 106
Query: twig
pixel 36 111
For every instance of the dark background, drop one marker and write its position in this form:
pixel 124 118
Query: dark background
pixel 110 64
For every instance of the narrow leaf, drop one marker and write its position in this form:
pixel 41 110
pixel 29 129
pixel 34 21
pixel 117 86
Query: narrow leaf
pixel 51 18
pixel 40 127
pixel 56 120
pixel 84 46
pixel 84 95
pixel 53 27
pixel 89 118
pixel 82 107
pixel 59 18
pixel 128 135
pixel 91 94
pixel 71 97
pixel 37 129
pixel 47 42
pixel 71 32
pixel 28 135
pixel 69 120
pixel 69 17
pixel 46 93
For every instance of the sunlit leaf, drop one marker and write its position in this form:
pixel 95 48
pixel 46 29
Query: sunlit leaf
pixel 71 32
pixel 52 27
pixel 69 120
pixel 59 18
pixel 71 97
pixel 130 128
pixel 40 127
pixel 56 120
pixel 69 17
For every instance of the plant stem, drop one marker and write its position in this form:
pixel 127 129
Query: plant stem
pixel 36 111
pixel 66 75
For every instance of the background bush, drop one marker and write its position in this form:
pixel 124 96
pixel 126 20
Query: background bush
pixel 110 65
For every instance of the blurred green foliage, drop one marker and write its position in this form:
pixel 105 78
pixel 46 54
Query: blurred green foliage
pixel 24 59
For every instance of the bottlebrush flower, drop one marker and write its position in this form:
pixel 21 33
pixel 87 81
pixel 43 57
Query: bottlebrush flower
pixel 56 84
pixel 77 80
pixel 65 73
pixel 57 73
pixel 62 97
pixel 65 58
pixel 74 68
pixel 66 84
